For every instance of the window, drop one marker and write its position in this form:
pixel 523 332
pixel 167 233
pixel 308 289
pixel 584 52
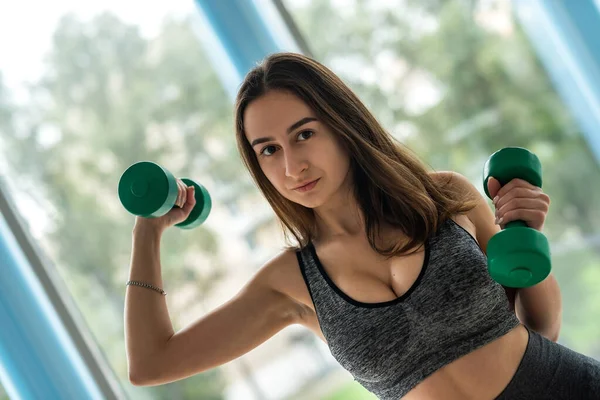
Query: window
pixel 88 92
pixel 3 395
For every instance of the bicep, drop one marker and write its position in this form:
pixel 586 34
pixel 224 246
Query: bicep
pixel 238 326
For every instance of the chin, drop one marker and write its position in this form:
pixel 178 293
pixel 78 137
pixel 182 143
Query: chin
pixel 308 203
pixel 305 203
pixel 311 204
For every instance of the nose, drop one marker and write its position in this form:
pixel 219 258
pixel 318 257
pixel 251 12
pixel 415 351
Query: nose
pixel 295 164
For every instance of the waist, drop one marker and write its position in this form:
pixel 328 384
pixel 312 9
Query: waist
pixel 480 374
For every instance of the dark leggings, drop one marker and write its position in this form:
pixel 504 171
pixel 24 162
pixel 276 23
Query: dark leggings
pixel 551 371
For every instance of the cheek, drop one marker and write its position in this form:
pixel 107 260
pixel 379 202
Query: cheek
pixel 339 160
pixel 272 172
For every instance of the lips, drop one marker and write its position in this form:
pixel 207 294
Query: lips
pixel 305 184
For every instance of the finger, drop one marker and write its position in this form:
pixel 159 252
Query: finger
pixel 180 194
pixel 522 203
pixel 533 218
pixel 191 195
pixel 178 198
pixel 516 192
pixel 191 200
pixel 493 186
pixel 184 194
pixel 516 183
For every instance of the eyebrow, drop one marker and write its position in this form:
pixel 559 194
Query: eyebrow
pixel 292 128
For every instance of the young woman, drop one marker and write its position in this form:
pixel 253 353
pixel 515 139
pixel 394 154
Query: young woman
pixel 389 266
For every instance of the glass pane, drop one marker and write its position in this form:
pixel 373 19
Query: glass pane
pixel 89 89
pixel 3 395
pixel 455 81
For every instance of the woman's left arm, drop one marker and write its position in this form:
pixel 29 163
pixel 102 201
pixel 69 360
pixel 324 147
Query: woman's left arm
pixel 539 307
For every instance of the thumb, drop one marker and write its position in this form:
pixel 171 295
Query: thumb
pixel 493 186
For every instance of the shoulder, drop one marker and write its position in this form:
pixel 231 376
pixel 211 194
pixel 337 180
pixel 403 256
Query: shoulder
pixel 453 178
pixel 456 182
pixel 440 176
pixel 482 217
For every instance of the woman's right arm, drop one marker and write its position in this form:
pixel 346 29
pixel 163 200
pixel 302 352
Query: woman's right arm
pixel 156 354
pixel 256 313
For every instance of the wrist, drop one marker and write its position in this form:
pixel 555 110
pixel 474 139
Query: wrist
pixel 144 227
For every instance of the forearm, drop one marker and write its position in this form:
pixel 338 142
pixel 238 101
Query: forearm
pixel 539 307
pixel 147 322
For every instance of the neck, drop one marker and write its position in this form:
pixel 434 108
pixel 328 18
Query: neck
pixel 340 217
pixel 342 221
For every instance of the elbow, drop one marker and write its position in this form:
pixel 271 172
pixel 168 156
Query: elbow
pixel 143 377
pixel 137 379
pixel 145 371
pixel 555 332
pixel 549 331
pixel 552 335
pixel 137 375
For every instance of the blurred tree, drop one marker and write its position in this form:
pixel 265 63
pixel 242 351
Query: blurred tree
pixel 6 109
pixel 108 98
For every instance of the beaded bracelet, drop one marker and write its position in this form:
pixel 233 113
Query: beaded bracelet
pixel 147 285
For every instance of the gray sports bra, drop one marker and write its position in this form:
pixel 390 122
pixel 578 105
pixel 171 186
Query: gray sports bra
pixel 453 308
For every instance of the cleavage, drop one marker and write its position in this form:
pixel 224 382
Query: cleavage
pixel 366 276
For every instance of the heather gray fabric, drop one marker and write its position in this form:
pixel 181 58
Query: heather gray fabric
pixel 551 371
pixel 453 308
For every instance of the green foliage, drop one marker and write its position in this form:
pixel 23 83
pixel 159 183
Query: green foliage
pixel 108 98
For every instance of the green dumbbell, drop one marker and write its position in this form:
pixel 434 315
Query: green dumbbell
pixel 148 190
pixel 518 256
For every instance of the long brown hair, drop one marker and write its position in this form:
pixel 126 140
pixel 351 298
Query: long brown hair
pixel 391 184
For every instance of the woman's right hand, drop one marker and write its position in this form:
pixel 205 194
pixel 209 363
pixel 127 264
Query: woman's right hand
pixel 184 204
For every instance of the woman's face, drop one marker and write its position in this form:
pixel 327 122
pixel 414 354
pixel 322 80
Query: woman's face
pixel 294 148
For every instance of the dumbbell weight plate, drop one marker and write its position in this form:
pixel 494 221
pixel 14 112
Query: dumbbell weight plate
pixel 513 162
pixel 148 190
pixel 202 208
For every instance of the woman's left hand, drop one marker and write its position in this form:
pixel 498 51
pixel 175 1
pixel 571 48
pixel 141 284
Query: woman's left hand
pixel 519 200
